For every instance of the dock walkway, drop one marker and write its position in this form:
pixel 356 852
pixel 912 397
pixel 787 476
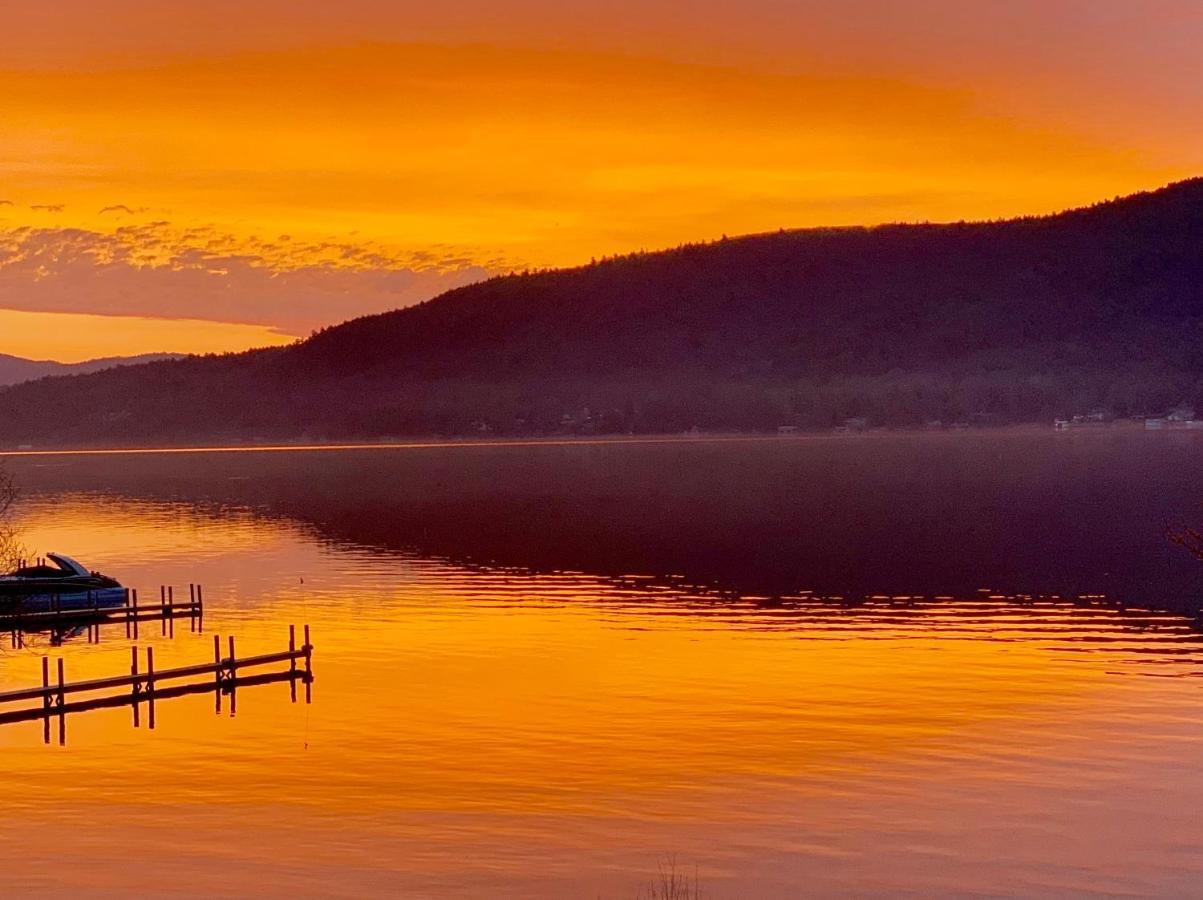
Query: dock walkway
pixel 146 685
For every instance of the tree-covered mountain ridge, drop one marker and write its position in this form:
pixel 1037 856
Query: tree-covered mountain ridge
pixel 1009 321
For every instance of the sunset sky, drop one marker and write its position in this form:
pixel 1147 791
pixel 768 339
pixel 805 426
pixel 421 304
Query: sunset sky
pixel 207 174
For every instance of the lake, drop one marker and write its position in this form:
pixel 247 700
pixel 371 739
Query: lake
pixel 826 666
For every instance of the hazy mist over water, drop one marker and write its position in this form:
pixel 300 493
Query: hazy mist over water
pixel 1021 511
pixel 541 670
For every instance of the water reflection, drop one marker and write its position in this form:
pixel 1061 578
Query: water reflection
pixel 489 730
pixel 904 514
pixel 56 699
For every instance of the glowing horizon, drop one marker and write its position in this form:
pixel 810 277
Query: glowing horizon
pixel 305 169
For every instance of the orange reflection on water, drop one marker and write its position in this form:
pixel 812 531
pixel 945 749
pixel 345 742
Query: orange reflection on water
pixel 484 733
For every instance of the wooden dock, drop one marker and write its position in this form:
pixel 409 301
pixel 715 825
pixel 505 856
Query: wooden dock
pixel 60 621
pixel 146 685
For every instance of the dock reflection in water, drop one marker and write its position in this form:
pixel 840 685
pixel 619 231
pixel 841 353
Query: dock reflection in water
pixel 492 732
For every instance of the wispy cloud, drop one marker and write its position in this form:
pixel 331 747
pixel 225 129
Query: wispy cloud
pixel 49 207
pixel 159 270
pixel 122 209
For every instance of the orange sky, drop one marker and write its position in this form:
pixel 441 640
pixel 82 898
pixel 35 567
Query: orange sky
pixel 275 166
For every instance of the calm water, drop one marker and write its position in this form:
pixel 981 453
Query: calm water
pixel 543 670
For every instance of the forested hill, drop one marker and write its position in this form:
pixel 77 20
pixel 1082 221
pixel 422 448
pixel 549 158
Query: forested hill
pixel 1008 321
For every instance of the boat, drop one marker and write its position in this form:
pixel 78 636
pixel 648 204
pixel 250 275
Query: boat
pixel 59 582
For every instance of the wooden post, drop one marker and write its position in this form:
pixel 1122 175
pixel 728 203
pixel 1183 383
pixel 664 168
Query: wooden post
pixel 200 611
pixel 308 668
pixel 191 606
pixel 62 701
pixel 134 592
pixel 150 687
pixel 163 610
pixel 46 697
pixel 292 662
pixel 171 610
pixel 127 614
pixel 136 686
pixel 233 680
pixel 217 671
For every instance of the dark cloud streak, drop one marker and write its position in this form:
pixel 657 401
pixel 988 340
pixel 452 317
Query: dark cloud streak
pixel 123 209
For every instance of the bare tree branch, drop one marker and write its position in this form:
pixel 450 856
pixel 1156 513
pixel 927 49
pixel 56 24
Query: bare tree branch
pixel 11 550
pixel 1190 539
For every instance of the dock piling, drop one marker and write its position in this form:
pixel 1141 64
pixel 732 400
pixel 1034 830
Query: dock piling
pixel 135 686
pixel 233 680
pixel 46 696
pixel 150 688
pixel 62 704
pixel 217 673
pixel 292 661
pixel 308 667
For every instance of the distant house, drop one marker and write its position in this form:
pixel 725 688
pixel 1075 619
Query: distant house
pixel 1180 417
pixel 858 423
pixel 1094 418
pixel 788 429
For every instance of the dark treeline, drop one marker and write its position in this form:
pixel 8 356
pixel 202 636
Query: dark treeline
pixel 900 325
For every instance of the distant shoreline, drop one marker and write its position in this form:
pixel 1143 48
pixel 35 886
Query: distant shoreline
pixel 588 440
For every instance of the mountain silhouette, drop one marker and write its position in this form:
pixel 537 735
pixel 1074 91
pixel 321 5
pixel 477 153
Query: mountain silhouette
pixel 1008 321
pixel 15 369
